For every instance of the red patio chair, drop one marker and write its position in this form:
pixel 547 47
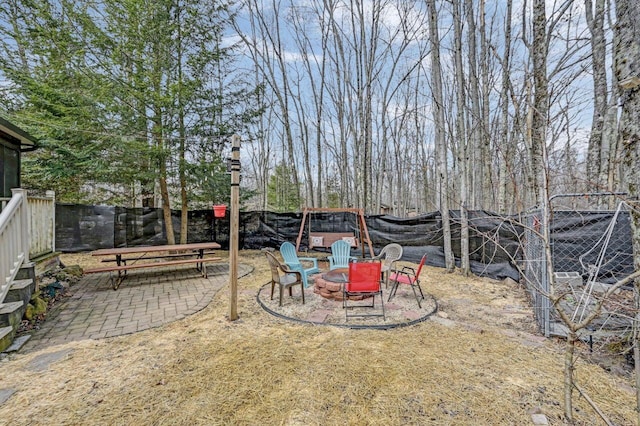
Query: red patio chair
pixel 364 283
pixel 409 276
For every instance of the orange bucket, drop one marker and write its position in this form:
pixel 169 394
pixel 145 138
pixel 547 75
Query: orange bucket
pixel 219 210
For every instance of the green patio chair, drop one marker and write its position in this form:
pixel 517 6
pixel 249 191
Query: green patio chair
pixel 340 255
pixel 290 257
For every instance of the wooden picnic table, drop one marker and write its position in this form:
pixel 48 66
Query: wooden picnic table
pixel 126 258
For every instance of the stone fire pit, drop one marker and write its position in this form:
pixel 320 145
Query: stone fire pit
pixel 329 284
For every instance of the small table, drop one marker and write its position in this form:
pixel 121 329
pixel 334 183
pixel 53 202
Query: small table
pixel 340 275
pixel 329 285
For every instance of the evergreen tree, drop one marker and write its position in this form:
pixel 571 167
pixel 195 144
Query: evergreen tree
pixel 282 192
pixel 126 96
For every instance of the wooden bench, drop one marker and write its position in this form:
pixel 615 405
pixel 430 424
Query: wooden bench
pixel 325 239
pixel 190 254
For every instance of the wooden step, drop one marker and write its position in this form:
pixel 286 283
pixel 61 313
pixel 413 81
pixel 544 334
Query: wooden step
pixel 18 343
pixel 19 284
pixel 20 291
pixel 11 314
pixel 6 337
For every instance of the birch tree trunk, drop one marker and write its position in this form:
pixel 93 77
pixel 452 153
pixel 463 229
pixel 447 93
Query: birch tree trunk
pixel 503 154
pixel 597 154
pixel 463 153
pixel 540 97
pixel 627 58
pixel 540 169
pixel 475 126
pixel 610 133
pixel 488 197
pixel 441 148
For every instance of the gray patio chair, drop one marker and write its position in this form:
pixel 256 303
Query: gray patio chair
pixel 389 255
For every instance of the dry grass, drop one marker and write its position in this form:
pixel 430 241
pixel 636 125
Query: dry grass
pixel 478 362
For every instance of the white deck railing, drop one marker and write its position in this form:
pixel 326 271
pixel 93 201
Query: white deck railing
pixel 42 224
pixel 14 239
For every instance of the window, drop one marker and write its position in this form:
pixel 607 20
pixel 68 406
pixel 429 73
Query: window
pixel 9 168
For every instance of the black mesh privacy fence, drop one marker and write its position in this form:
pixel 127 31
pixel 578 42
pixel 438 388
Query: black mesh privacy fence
pixel 495 241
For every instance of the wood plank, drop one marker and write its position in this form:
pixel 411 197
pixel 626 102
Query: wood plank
pixel 164 256
pixel 150 249
pixel 150 265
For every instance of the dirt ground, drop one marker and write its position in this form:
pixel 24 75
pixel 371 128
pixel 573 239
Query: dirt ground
pixel 477 361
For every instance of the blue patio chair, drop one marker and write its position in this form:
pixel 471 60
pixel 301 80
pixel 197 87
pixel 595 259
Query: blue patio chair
pixel 290 257
pixel 340 255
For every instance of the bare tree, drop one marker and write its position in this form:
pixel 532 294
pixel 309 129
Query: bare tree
pixel 439 124
pixel 598 150
pixel 461 136
pixel 540 107
pixel 315 66
pixel 266 47
pixel 505 148
pixel 627 58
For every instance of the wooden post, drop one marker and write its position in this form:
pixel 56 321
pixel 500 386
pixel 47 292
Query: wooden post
pixel 52 196
pixel 234 216
pixel 25 237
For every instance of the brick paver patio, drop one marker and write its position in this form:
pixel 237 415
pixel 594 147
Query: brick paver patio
pixel 146 299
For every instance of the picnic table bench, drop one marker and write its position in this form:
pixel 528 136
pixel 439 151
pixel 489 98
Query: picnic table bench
pixel 126 258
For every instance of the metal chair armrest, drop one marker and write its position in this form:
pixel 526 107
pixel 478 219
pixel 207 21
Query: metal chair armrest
pixel 407 271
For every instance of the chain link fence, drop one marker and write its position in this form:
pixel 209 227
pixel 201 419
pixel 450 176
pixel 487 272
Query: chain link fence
pixel 534 269
pixel 591 249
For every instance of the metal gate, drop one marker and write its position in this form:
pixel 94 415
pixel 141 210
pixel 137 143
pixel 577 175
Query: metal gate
pixel 591 249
